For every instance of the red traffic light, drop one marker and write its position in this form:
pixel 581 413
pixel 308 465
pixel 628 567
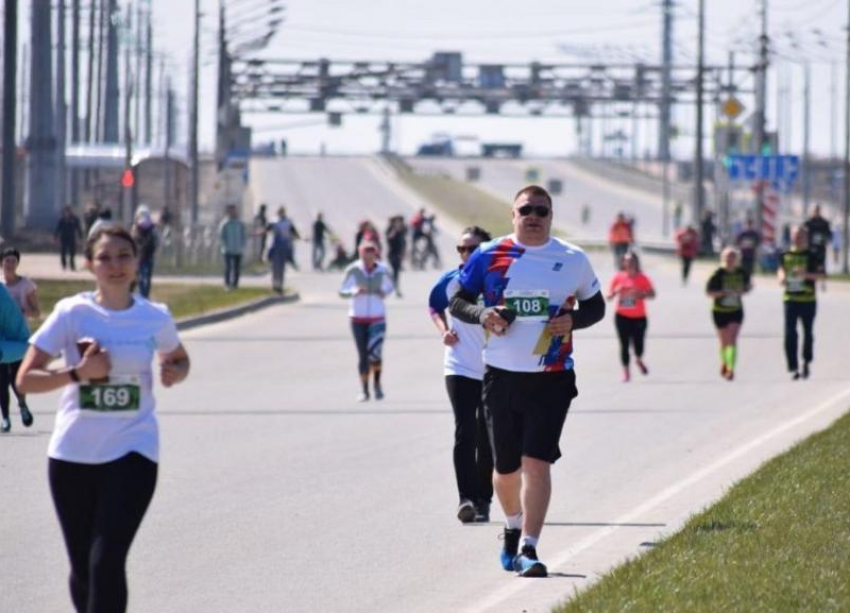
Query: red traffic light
pixel 128 179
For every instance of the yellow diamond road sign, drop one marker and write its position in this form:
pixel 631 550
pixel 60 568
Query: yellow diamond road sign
pixel 732 107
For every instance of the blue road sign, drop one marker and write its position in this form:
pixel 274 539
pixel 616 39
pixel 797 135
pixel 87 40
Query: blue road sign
pixel 781 170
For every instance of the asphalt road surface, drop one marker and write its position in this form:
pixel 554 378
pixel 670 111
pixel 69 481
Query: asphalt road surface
pixel 279 492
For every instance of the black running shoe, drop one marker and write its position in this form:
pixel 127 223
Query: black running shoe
pixel 805 370
pixel 526 563
pixel 466 511
pixel 482 512
pixel 510 547
pixel 26 416
pixel 5 425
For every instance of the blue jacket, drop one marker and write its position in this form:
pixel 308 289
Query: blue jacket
pixel 14 332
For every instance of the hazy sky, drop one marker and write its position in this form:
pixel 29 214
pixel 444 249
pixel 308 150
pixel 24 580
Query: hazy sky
pixel 516 31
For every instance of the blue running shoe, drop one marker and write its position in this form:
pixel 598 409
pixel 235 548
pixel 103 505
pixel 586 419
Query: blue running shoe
pixel 510 547
pixel 526 563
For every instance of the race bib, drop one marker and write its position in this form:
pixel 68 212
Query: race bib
pixel 628 301
pixel 796 285
pixel 731 301
pixel 121 396
pixel 529 305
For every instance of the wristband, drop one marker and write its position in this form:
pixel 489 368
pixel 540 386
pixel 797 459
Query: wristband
pixel 74 376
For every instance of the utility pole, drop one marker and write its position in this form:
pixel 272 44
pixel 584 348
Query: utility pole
pixel 75 94
pixel 807 170
pixel 664 112
pixel 761 105
pixel 386 130
pixel 699 192
pixel 138 71
pixel 149 79
pixel 41 162
pixel 194 179
pixel 61 105
pixel 101 43
pixel 110 127
pixel 10 47
pixel 846 220
pixel 90 72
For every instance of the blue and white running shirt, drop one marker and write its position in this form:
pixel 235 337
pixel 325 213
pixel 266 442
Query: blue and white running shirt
pixel 535 282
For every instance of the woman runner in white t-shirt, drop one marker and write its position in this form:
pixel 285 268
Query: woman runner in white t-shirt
pixel 105 446
pixel 24 292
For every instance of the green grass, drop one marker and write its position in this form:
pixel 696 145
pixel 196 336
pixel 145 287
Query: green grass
pixel 778 542
pixel 183 300
pixel 466 204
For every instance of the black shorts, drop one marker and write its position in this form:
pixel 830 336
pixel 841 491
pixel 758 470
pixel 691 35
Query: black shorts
pixel 721 319
pixel 526 413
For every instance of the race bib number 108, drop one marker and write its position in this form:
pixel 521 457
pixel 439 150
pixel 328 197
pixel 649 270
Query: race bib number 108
pixel 529 305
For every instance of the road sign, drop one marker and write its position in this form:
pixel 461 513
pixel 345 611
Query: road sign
pixel 781 170
pixel 732 107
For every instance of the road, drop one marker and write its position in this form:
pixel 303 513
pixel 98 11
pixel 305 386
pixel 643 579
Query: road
pixel 502 178
pixel 279 492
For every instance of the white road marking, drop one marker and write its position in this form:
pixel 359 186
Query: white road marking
pixel 561 558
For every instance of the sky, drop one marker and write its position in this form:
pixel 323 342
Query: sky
pixel 502 30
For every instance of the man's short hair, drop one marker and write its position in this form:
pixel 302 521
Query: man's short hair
pixel 534 190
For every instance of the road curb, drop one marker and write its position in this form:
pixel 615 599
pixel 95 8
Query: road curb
pixel 213 317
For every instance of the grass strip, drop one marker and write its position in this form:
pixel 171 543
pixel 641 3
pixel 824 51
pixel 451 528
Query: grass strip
pixel 778 541
pixel 184 300
pixel 466 204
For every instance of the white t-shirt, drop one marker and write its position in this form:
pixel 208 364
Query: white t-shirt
pixel 465 358
pixel 131 337
pixel 536 282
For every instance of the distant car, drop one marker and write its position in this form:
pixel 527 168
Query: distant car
pixel 437 149
pixel 501 150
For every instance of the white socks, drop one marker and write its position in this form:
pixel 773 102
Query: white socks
pixel 514 522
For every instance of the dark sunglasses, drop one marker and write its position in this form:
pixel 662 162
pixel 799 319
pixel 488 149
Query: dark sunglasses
pixel 539 210
pixel 461 249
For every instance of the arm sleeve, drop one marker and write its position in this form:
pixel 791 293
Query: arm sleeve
pixel 589 311
pixel 464 307
pixel 588 284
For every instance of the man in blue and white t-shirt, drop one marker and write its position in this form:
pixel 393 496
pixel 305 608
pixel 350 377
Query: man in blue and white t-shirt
pixel 531 284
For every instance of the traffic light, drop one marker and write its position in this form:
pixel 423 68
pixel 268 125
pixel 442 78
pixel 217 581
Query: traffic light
pixel 128 179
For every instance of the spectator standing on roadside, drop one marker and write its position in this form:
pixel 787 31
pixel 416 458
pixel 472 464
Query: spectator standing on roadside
pixel 396 248
pixel 68 230
pixel 90 216
pixel 687 245
pixel 144 233
pixel 261 225
pixel 233 238
pixel 320 228
pixel 707 230
pixel 620 238
pixel 279 252
pixel 748 241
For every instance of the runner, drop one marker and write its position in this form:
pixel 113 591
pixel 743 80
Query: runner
pixel 104 449
pixel 530 283
pixel 396 247
pixel 631 288
pixel 367 282
pixel 25 295
pixel 687 244
pixel 799 270
pixel 464 370
pixel 726 286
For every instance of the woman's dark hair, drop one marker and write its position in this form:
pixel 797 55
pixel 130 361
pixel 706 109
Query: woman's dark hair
pixel 634 256
pixel 110 229
pixel 478 232
pixel 10 251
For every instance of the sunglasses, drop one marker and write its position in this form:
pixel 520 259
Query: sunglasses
pixel 539 210
pixel 461 249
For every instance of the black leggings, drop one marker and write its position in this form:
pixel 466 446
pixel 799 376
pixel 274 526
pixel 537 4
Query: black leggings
pixel 8 372
pixel 473 459
pixel 369 339
pixel 100 507
pixel 805 312
pixel 630 330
